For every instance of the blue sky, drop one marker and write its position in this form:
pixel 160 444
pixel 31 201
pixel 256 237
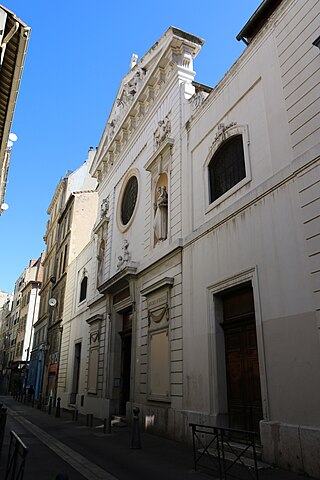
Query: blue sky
pixel 78 53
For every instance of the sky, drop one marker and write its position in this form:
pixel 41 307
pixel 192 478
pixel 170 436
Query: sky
pixel 77 56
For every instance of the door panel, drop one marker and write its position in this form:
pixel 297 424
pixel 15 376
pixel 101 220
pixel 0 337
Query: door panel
pixel 126 336
pixel 243 379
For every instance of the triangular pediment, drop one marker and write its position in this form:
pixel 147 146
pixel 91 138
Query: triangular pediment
pixel 174 51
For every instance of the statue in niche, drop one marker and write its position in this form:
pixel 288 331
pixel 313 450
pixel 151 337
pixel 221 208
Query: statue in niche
pixel 104 207
pixel 162 131
pixel 100 258
pixel 160 221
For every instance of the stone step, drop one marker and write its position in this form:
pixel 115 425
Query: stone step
pixel 232 449
pixel 238 447
pixel 118 421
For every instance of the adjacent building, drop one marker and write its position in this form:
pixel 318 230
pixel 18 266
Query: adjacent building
pixel 5 310
pixel 72 213
pixel 19 315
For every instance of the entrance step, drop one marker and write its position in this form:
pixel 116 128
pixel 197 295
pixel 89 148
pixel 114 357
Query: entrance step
pixel 118 421
pixel 247 461
pixel 233 449
pixel 238 447
pixel 70 407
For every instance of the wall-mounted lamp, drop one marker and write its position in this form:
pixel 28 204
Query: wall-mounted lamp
pixel 316 43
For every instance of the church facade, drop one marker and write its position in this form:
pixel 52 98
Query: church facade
pixel 197 298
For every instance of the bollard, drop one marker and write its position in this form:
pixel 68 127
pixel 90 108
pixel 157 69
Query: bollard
pixel 91 419
pixel 135 439
pixel 87 419
pixel 76 415
pixel 32 404
pixel 106 425
pixel 50 405
pixel 58 407
pixel 39 406
pixel 3 419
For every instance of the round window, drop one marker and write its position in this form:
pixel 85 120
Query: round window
pixel 129 200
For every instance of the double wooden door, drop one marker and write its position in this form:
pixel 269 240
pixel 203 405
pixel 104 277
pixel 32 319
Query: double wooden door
pixel 242 363
pixel 243 379
pixel 125 380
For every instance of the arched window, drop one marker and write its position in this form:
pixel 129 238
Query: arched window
pixel 227 167
pixel 83 289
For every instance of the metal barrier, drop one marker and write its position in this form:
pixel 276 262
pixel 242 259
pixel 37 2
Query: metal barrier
pixel 16 458
pixel 222 449
pixel 3 420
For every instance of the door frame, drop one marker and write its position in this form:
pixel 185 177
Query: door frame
pixel 118 310
pixel 217 364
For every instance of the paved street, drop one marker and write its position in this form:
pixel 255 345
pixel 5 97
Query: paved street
pixel 59 445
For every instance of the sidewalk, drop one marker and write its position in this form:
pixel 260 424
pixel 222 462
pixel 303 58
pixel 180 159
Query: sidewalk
pixel 59 445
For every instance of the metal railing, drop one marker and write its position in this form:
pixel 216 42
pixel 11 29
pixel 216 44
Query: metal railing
pixel 16 458
pixel 221 449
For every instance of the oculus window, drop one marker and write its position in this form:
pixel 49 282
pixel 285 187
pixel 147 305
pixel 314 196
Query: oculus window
pixel 129 200
pixel 227 167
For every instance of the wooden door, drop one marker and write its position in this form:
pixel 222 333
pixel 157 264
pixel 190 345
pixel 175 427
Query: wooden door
pixel 125 381
pixel 243 380
pixel 242 365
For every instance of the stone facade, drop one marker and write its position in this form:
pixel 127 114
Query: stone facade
pixel 201 275
pixel 19 314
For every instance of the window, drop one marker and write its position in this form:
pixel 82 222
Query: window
pixel 129 200
pixel 83 289
pixel 65 258
pixel 227 167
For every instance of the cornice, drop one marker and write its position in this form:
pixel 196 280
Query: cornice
pixel 166 282
pixel 119 280
pixel 95 318
pixel 167 144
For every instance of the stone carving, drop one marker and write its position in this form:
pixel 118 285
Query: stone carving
pixel 157 315
pixel 162 131
pixel 104 208
pixel 112 126
pixel 125 257
pixel 133 62
pixel 222 128
pixel 125 99
pixel 197 99
pixel 132 87
pixel 160 221
pixel 100 258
